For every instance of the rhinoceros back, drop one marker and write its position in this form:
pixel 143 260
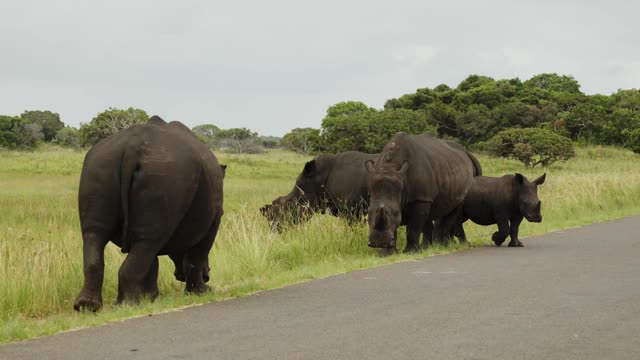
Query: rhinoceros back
pixel 437 172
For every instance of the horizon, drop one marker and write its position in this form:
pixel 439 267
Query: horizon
pixel 278 66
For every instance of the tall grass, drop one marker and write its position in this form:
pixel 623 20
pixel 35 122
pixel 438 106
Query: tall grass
pixel 41 244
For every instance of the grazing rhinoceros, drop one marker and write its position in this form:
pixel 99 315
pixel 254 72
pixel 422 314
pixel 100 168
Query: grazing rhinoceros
pixel 415 180
pixel 151 189
pixel 504 201
pixel 334 182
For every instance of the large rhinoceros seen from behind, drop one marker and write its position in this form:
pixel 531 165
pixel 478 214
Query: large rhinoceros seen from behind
pixel 152 189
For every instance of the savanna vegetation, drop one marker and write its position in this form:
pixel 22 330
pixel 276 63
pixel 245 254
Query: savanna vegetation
pixel 41 244
pixel 544 124
pixel 476 110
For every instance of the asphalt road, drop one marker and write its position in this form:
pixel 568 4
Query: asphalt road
pixel 572 294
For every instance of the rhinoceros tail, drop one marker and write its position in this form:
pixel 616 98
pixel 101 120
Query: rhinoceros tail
pixel 127 168
pixel 477 169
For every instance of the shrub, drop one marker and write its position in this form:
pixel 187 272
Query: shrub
pixel 110 122
pixel 634 141
pixel 240 141
pixel 67 137
pixel 532 146
pixel 302 140
pixel 48 121
pixel 16 133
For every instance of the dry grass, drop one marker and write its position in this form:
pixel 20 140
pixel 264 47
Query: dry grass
pixel 41 247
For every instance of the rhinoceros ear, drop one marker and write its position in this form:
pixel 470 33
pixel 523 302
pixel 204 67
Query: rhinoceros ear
pixel 223 167
pixel 539 181
pixel 309 168
pixel 519 178
pixel 369 166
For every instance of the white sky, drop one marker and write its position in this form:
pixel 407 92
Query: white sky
pixel 276 65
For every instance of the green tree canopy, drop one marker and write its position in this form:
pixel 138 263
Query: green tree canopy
pixel 67 137
pixel 531 146
pixel 110 122
pixel 302 140
pixel 346 126
pixel 206 133
pixel 17 133
pixel 240 140
pixel 48 121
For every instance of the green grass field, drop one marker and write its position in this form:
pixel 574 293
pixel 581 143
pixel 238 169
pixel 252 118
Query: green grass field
pixel 41 244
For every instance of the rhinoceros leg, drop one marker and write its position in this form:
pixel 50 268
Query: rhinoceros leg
pixel 514 227
pixel 502 233
pixel 446 227
pixel 138 274
pixel 416 224
pixel 177 259
pixel 458 228
pixel 458 231
pixel 197 258
pixel 150 281
pixel 90 297
pixel 427 234
pixel 177 262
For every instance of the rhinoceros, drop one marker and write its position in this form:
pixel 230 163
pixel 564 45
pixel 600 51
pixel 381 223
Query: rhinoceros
pixel 415 180
pixel 334 182
pixel 152 189
pixel 504 201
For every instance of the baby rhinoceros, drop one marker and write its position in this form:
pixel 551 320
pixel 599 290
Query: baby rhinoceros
pixel 503 201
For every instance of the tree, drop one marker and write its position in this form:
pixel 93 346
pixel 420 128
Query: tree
pixel 634 141
pixel 561 89
pixel 206 133
pixel 443 117
pixel 270 142
pixel 531 146
pixel 384 124
pixel 475 124
pixel 627 99
pixel 302 140
pixel 474 81
pixel 486 94
pixel 345 126
pixel 554 82
pixel 617 127
pixel 67 137
pixel 48 121
pixel 110 122
pixel 584 121
pixel 17 133
pixel 241 140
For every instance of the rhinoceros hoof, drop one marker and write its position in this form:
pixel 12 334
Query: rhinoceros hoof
pixel 197 289
pixel 179 276
pixel 497 239
pixel 86 302
pixel 515 244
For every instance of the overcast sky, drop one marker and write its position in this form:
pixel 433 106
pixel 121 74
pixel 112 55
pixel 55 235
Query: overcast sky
pixel 276 65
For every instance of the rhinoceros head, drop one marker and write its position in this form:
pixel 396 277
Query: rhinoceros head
pixel 385 197
pixel 528 202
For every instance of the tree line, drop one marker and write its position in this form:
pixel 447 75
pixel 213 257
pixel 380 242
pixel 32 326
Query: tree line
pixel 480 112
pixel 31 128
pixel 477 110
